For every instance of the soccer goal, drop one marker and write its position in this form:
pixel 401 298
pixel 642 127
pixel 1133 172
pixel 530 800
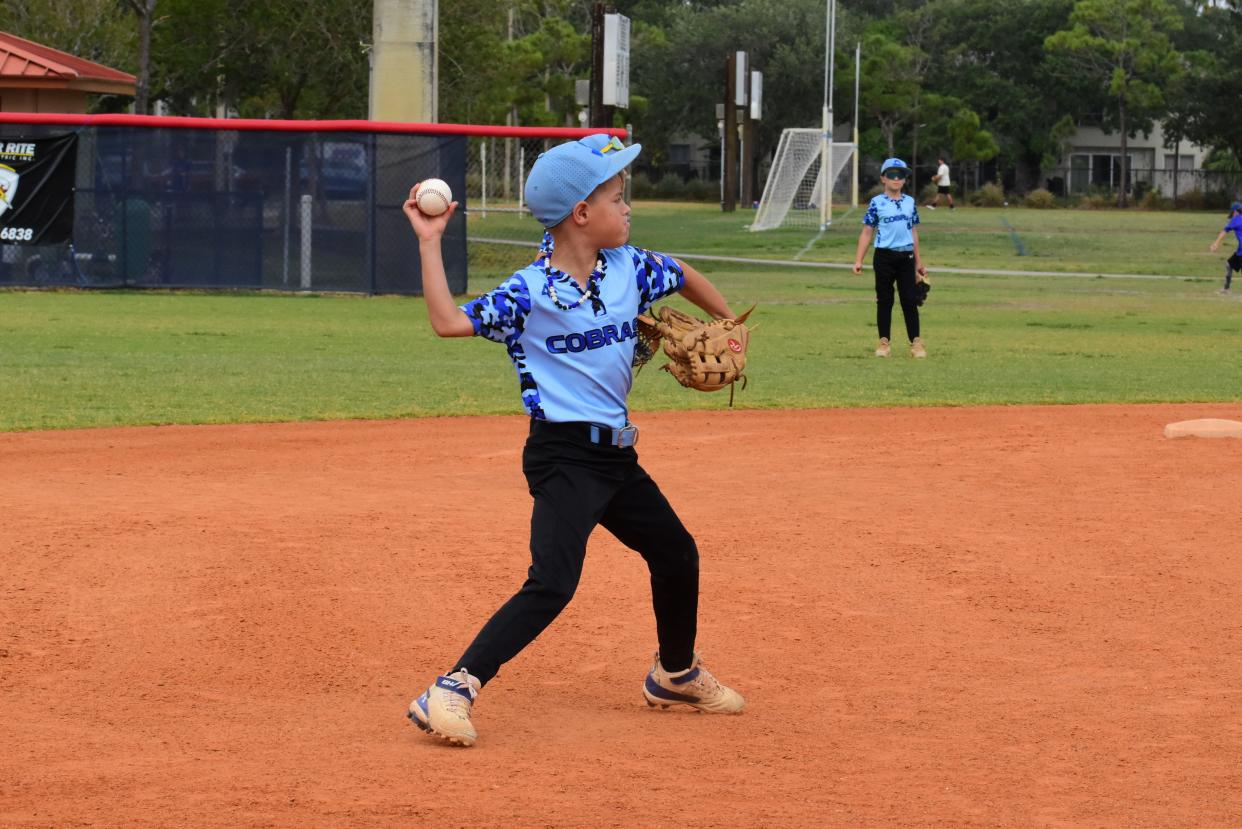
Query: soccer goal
pixel 792 192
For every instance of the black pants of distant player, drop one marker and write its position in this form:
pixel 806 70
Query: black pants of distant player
pixel 895 267
pixel 1233 263
pixel 578 485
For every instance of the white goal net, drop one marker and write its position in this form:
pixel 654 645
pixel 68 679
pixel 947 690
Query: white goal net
pixel 792 192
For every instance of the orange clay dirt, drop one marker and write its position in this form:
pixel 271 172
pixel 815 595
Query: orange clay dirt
pixel 1017 616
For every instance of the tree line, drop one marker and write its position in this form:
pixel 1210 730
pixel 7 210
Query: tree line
pixel 1003 83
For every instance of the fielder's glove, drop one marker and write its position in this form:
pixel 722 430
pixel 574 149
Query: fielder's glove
pixel 707 356
pixel 922 288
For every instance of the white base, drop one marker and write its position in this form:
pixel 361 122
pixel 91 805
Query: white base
pixel 1206 428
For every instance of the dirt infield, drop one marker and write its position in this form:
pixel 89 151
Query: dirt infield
pixel 951 617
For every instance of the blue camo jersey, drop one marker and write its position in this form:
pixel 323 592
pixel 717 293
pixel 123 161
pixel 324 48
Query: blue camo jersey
pixel 1235 224
pixel 893 220
pixel 575 365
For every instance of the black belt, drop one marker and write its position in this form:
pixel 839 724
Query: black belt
pixel 623 438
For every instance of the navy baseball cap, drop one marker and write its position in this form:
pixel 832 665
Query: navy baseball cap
pixel 569 172
pixel 1236 206
pixel 891 163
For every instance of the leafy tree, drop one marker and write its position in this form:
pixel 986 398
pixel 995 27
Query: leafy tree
pixel 476 83
pixel 890 86
pixel 679 65
pixel 516 62
pixel 970 142
pixel 1125 45
pixel 1206 98
pixel 991 57
pixel 96 30
pixel 288 58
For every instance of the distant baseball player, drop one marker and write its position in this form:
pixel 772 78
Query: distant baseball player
pixel 891 219
pixel 943 186
pixel 568 323
pixel 1234 262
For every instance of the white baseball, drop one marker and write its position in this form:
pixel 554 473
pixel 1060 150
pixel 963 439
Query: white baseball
pixel 433 197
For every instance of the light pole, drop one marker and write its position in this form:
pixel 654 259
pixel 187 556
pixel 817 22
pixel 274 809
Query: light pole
pixel 825 152
pixel 857 74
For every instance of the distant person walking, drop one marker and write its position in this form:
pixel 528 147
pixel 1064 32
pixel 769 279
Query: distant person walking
pixel 891 220
pixel 1234 262
pixel 943 185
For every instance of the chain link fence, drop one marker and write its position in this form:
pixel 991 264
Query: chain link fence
pixel 187 203
pixel 502 235
pixel 210 203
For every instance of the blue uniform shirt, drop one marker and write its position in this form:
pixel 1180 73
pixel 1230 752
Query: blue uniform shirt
pixel 893 220
pixel 1235 224
pixel 576 365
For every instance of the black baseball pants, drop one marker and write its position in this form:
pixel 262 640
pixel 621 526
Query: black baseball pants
pixel 577 485
pixel 895 266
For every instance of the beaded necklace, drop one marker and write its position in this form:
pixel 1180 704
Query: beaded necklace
pixel 592 285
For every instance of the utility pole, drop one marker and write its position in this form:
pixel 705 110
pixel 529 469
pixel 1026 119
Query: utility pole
pixel 403 61
pixel 729 201
pixel 750 142
pixel 599 115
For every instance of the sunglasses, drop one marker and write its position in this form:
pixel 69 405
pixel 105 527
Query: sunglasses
pixel 895 174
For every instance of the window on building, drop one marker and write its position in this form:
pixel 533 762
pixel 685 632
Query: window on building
pixel 679 153
pixel 1184 162
pixel 1102 170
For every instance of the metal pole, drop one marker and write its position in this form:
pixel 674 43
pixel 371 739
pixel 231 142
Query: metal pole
pixel 306 241
pixel 521 175
pixel 483 165
pixel 825 153
pixel 741 151
pixel 288 210
pixel 857 75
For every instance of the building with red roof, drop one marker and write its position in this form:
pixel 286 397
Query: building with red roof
pixel 38 78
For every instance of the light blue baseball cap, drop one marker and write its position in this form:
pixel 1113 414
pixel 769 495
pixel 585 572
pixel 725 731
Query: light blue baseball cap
pixel 569 172
pixel 890 163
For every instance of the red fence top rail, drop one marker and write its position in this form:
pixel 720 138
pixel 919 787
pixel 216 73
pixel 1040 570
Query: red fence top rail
pixel 176 122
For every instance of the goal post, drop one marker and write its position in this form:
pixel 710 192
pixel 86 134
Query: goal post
pixel 792 193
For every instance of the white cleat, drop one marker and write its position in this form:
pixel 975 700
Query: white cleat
pixel 444 709
pixel 694 686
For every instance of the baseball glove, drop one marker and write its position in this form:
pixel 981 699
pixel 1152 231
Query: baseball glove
pixel 922 287
pixel 707 356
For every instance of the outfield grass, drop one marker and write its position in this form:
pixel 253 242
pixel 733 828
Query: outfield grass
pixel 75 359
pixel 1173 243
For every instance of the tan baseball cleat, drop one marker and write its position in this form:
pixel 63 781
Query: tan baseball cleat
pixel 917 349
pixel 883 349
pixel 694 686
pixel 444 709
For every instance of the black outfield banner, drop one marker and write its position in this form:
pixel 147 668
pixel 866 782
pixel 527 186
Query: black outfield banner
pixel 36 190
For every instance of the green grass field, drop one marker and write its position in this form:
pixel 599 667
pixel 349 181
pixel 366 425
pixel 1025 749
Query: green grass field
pixel 79 359
pixel 1094 241
pixel 70 359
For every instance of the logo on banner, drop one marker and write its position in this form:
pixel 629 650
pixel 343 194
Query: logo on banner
pixel 8 187
pixel 46 170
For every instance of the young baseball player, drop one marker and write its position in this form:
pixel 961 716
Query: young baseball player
pixel 568 323
pixel 943 186
pixel 1234 262
pixel 891 219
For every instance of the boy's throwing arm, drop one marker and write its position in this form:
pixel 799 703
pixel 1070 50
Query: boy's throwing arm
pixel 447 320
